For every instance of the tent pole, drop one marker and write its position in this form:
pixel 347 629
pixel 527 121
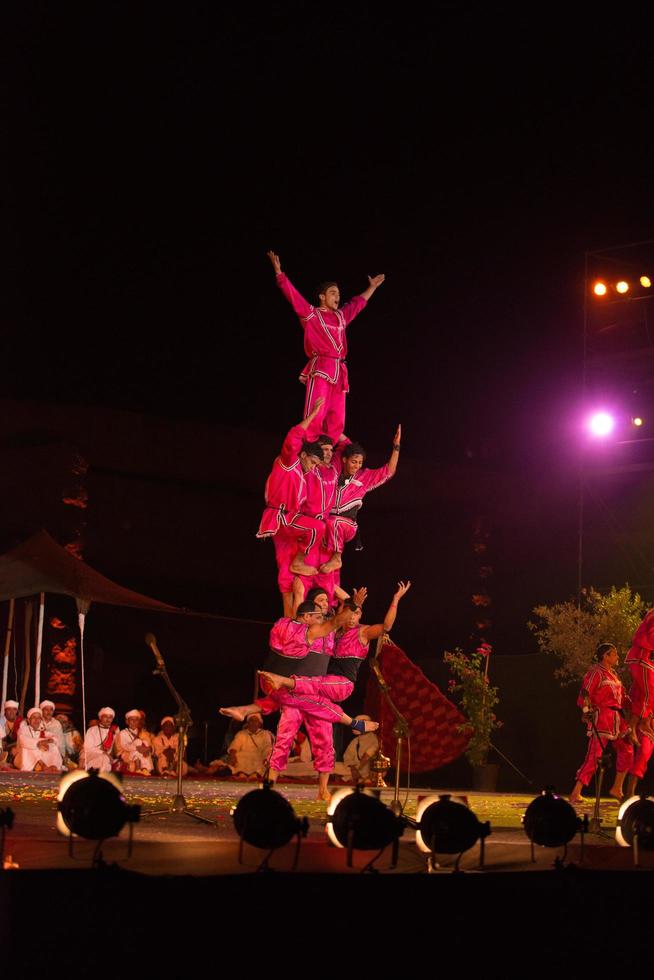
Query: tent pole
pixel 5 661
pixel 39 650
pixel 81 618
pixel 29 612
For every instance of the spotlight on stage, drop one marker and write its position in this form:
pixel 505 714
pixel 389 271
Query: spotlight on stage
pixel 550 821
pixel 359 821
pixel 601 425
pixel 635 824
pixel 265 819
pixel 637 421
pixel 599 288
pixel 645 282
pixel 92 805
pixel 448 826
pixel 622 287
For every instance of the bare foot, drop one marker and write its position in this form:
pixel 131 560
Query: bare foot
pixel 234 713
pixel 324 794
pixel 370 726
pixel 616 796
pixel 275 680
pixel 298 567
pixel 574 800
pixel 332 565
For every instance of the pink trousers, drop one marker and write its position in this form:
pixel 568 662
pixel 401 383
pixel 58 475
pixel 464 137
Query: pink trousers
pixel 304 532
pixel 642 689
pixel 340 530
pixel 321 737
pixel 330 420
pixel 642 757
pixel 623 750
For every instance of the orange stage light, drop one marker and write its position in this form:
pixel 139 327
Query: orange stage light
pixel 599 288
pixel 645 281
pixel 622 286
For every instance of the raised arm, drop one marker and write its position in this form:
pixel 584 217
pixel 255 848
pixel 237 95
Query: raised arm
pixel 324 629
pixel 395 452
pixel 368 633
pixel 296 436
pixel 303 309
pixel 374 282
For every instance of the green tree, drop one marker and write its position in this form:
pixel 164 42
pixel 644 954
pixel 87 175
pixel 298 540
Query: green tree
pixel 572 633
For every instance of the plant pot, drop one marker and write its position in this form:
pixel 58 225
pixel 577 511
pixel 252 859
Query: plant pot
pixel 484 778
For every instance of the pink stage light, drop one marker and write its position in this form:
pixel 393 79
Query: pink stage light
pixel 601 424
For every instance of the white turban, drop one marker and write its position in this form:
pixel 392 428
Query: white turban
pixel 33 711
pixel 134 713
pixel 167 718
pixel 11 704
pixel 47 704
pixel 107 711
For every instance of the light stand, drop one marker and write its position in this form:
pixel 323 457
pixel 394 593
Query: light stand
pixel 400 728
pixel 183 721
pixel 595 823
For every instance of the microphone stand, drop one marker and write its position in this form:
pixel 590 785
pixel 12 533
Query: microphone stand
pixel 400 728
pixel 595 823
pixel 183 721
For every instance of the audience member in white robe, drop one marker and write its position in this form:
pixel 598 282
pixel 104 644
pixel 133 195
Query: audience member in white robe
pixel 99 751
pixel 165 746
pixel 250 749
pixel 300 760
pixel 52 725
pixel 37 748
pixel 72 742
pixel 134 745
pixel 11 723
pixel 355 767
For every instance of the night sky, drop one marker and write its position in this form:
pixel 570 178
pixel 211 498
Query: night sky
pixel 153 155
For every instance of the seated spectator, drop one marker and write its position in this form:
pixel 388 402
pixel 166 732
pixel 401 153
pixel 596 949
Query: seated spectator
pixel 356 758
pixel 99 749
pixel 165 746
pixel 37 749
pixel 52 725
pixel 11 723
pixel 134 746
pixel 250 749
pixel 72 741
pixel 300 760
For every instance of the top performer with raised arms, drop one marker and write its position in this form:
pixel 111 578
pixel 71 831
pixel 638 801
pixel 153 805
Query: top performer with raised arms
pixel 325 344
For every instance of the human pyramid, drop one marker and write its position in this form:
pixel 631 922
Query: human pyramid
pixel 313 496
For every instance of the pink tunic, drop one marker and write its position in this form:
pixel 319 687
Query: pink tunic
pixel 325 342
pixel 349 496
pixel 640 661
pixel 286 488
pixel 606 692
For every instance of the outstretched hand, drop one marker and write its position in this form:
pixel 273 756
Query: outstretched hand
pixel 402 589
pixel 277 265
pixel 359 595
pixel 397 439
pixel 376 280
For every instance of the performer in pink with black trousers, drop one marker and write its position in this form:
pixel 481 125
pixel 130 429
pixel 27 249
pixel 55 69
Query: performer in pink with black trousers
pixel 325 344
pixel 603 693
pixel 310 699
pixel 640 661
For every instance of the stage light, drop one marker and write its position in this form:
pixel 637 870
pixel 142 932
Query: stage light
pixel 357 820
pixel 448 826
pixel 265 819
pixel 635 824
pixel 599 288
pixel 637 421
pixel 645 282
pixel 601 424
pixel 92 805
pixel 550 821
pixel 622 287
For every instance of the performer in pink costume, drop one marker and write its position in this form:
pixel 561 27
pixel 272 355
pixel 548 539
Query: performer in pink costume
pixel 325 344
pixel 353 484
pixel 309 699
pixel 642 755
pixel 293 643
pixel 640 661
pixel 321 491
pixel 603 693
pixel 285 493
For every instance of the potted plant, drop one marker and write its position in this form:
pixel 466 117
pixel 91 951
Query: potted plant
pixel 477 699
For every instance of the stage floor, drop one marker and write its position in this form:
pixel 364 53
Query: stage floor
pixel 174 844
